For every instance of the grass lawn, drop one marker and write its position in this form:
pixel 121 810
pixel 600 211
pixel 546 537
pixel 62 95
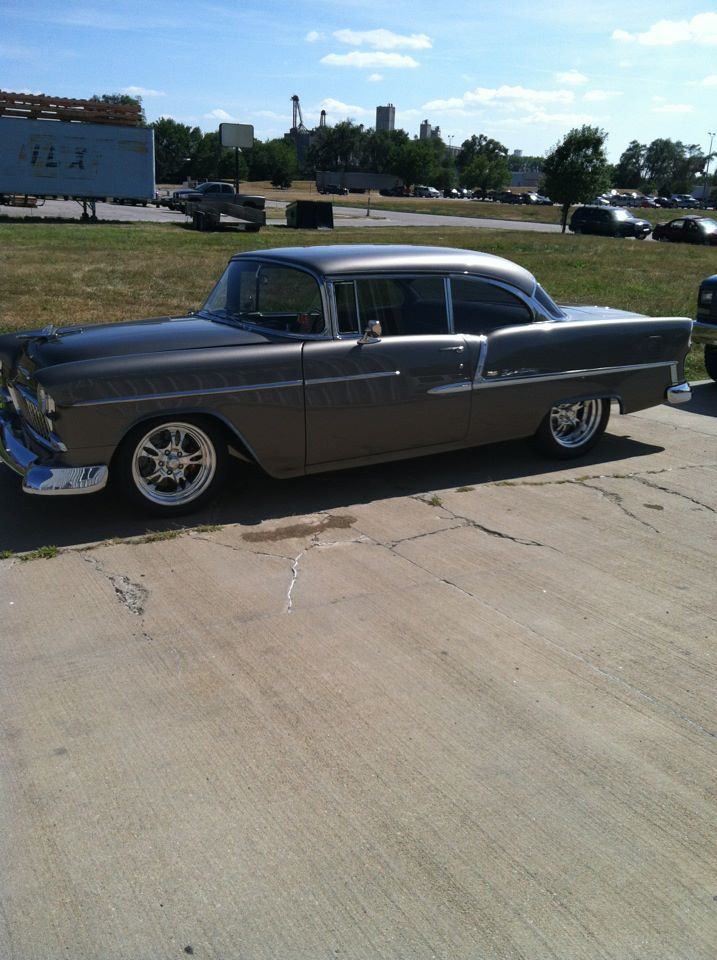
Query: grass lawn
pixel 95 273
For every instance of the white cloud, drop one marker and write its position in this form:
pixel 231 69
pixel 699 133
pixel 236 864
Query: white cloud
pixel 375 78
pixel 518 98
pixel 674 108
pixel 453 103
pixel 710 81
pixel 10 51
pixel 369 61
pixel 271 115
pixel 312 36
pixel 219 114
pixel 701 30
pixel 384 39
pixel 600 96
pixel 336 108
pixel 572 77
pixel 143 92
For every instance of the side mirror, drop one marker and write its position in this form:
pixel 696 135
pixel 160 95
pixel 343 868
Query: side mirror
pixel 372 333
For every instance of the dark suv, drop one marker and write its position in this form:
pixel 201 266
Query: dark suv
pixel 609 222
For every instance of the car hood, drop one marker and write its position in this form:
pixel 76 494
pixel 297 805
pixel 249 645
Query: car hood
pixel 52 346
pixel 597 313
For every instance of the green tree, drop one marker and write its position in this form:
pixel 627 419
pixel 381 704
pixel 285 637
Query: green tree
pixel 576 169
pixel 482 163
pixel 175 149
pixel 630 168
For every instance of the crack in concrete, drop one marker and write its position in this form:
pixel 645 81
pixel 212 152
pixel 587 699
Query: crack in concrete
pixel 130 594
pixel 470 522
pixel 615 498
pixel 294 578
pixel 674 493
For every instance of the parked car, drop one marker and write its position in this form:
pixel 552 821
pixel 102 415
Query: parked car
pixel 705 328
pixel 423 191
pixel 689 229
pixel 666 202
pixel 507 196
pixel 609 222
pixel 309 359
pixel 685 201
pixel 333 188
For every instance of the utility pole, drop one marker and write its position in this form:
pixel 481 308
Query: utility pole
pixel 706 198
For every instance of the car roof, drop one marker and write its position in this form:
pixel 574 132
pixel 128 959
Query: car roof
pixel 387 258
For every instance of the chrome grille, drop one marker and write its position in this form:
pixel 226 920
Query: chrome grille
pixel 29 410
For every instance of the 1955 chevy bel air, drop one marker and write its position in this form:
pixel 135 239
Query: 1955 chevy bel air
pixel 312 359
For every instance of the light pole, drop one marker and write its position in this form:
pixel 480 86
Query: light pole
pixel 706 198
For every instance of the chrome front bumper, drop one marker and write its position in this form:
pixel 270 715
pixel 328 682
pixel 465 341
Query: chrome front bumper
pixel 679 393
pixel 42 479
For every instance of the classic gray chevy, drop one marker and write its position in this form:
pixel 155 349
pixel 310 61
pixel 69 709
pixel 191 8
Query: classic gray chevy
pixel 311 359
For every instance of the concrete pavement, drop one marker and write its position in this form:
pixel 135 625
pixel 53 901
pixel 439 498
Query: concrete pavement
pixel 461 707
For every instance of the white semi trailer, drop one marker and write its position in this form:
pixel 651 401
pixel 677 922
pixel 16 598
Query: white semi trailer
pixel 82 161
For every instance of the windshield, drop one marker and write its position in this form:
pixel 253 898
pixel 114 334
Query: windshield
pixel 267 295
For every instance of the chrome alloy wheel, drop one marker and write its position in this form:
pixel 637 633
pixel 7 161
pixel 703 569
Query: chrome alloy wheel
pixel 173 464
pixel 573 424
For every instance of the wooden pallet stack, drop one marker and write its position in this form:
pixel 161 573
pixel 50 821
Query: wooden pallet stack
pixel 40 107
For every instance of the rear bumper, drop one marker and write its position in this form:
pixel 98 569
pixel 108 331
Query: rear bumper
pixel 679 393
pixel 46 479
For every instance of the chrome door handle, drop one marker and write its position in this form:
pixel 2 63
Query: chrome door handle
pixel 451 349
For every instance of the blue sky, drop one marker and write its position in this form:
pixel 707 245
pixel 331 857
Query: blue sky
pixel 522 72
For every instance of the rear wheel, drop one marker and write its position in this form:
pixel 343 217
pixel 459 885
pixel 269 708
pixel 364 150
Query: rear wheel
pixel 172 467
pixel 569 430
pixel 711 361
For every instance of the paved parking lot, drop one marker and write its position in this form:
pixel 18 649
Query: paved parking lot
pixel 461 707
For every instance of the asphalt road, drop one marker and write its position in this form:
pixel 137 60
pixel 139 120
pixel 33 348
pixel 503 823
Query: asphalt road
pixel 343 216
pixel 459 708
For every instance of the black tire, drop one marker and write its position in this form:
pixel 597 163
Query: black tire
pixel 568 430
pixel 172 466
pixel 711 361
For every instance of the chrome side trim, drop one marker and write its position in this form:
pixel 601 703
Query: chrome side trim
pixel 480 364
pixel 480 383
pixel 318 381
pixel 202 392
pixel 464 387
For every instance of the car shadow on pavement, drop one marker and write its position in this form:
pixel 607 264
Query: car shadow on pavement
pixel 28 523
pixel 704 399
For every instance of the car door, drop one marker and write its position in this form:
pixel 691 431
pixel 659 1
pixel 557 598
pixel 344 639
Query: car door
pixel 405 389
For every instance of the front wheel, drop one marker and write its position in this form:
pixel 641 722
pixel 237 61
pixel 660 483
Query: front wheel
pixel 171 467
pixel 711 361
pixel 569 430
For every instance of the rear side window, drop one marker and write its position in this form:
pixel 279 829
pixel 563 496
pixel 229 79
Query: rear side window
pixel 480 306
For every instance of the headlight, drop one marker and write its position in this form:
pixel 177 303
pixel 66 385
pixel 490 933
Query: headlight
pixel 45 401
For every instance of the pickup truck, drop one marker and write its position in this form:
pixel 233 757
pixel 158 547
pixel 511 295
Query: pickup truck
pixel 204 191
